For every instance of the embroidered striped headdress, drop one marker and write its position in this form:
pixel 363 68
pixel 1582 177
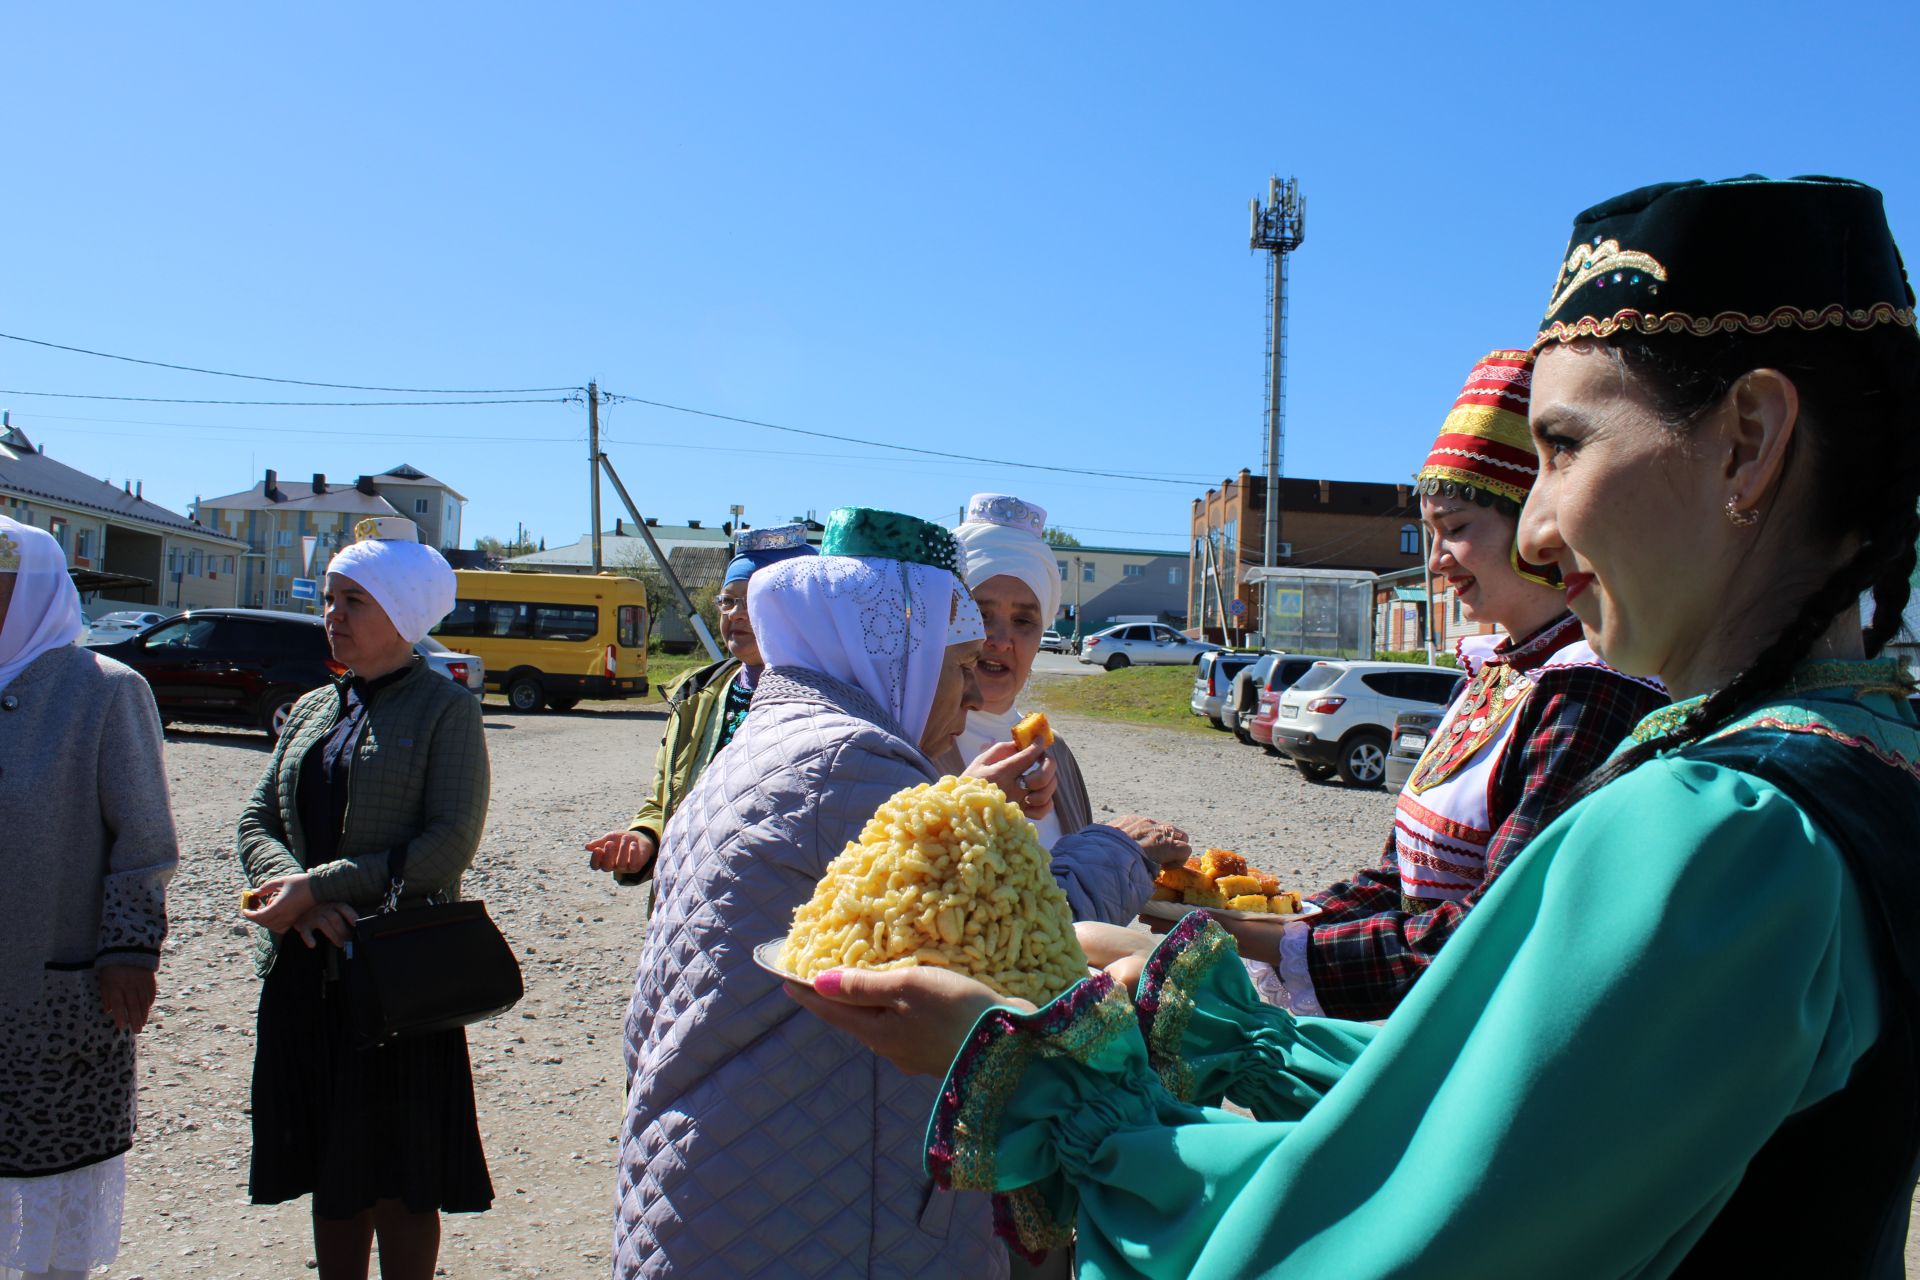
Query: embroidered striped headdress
pixel 1484 443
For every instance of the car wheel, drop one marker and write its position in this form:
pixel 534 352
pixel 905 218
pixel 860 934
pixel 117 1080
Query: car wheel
pixel 1271 749
pixel 1118 661
pixel 1363 758
pixel 525 694
pixel 561 704
pixel 1240 732
pixel 1217 723
pixel 1311 772
pixel 275 707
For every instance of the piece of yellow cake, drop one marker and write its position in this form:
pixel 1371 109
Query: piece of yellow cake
pixel 1248 902
pixel 1034 726
pixel 1205 898
pixel 1237 886
pixel 1163 894
pixel 1215 863
pixel 1286 904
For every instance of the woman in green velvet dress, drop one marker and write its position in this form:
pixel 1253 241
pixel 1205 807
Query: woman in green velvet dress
pixel 1679 1035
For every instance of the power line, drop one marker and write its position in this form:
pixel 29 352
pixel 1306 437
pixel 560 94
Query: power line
pixel 34 415
pixel 905 448
pixel 293 382
pixel 309 404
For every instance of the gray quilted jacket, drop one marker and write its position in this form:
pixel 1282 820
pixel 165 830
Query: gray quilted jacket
pixel 760 1142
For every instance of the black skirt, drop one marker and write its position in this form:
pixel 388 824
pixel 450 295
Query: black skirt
pixel 348 1125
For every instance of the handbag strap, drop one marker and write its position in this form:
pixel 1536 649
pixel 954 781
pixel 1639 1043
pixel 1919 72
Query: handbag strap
pixel 396 879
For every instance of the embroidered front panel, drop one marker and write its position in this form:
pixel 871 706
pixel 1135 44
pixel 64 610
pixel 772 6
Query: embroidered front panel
pixel 1480 715
pixel 1587 263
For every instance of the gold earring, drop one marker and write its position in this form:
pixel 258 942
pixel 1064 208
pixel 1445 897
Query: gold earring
pixel 1741 519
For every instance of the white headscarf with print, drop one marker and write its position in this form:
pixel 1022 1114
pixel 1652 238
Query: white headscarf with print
pixel 45 612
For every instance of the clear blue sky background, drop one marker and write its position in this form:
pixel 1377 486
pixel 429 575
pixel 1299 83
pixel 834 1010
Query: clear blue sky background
pixel 1012 231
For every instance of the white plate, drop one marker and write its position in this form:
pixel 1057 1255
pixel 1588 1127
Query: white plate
pixel 1174 910
pixel 767 956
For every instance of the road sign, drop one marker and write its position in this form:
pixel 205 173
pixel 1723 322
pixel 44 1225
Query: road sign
pixel 305 589
pixel 1237 608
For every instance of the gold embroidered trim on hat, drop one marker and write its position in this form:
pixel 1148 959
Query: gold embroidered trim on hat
pixel 1474 480
pixel 1589 262
pixel 1631 321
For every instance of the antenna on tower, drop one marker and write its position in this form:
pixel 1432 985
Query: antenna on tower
pixel 1279 227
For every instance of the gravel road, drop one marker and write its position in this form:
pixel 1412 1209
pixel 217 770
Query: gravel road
pixel 548 1075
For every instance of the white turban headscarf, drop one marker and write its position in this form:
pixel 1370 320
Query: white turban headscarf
pixel 880 625
pixel 411 581
pixel 1001 535
pixel 45 613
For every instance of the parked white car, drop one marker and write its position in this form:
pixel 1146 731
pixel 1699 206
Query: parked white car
pixel 1339 715
pixel 468 670
pixel 124 624
pixel 1142 644
pixel 1052 641
pixel 1213 679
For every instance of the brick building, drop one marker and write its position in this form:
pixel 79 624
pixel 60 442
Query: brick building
pixel 1324 524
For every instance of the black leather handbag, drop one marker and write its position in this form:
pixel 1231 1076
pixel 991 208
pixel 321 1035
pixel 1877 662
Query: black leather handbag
pixel 427 968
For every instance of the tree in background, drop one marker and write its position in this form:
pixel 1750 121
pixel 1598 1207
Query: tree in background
pixel 521 544
pixel 1060 537
pixel 634 562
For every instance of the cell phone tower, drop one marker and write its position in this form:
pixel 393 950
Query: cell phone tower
pixel 1279 227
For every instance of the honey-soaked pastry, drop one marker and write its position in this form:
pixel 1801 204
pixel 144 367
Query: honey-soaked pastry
pixel 1032 727
pixel 950 874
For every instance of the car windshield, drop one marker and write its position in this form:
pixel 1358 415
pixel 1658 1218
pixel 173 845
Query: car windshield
pixel 430 645
pixel 120 617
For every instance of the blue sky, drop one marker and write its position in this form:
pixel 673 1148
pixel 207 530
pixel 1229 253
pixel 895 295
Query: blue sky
pixel 1017 232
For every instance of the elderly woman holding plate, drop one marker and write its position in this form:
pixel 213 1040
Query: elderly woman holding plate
pixel 384 770
pixel 1106 868
pixel 757 1139
pixel 88 851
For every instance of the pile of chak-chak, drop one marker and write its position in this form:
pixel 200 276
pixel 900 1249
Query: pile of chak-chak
pixel 950 874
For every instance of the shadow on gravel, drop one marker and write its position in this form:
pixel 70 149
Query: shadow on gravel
pixel 218 736
pixel 618 711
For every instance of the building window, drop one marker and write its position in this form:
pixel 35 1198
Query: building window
pixel 1133 570
pixel 284 538
pixel 193 564
pixel 83 544
pixel 280 595
pixel 58 528
pixel 1409 539
pixel 1063 569
pixel 279 568
pixel 1086 571
pixel 420 506
pixel 1173 576
pixel 227 566
pixel 1456 606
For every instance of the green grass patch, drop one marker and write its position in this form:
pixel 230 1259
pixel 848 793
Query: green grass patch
pixel 665 668
pixel 1134 695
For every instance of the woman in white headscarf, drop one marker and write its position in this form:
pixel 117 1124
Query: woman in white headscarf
pixel 757 1141
pixel 381 775
pixel 87 855
pixel 1107 868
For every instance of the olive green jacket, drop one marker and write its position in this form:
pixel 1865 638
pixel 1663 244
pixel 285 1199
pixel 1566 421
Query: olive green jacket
pixel 419 781
pixel 695 705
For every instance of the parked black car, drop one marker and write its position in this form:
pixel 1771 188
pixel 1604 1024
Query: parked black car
pixel 245 667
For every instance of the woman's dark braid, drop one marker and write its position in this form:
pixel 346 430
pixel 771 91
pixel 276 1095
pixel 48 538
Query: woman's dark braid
pixel 1865 384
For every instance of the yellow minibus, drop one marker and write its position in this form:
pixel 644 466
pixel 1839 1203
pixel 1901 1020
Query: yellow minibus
pixel 552 638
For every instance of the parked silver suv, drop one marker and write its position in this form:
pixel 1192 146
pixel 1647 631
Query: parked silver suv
pixel 1338 716
pixel 1143 644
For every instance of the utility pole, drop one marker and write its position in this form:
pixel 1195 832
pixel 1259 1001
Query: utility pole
pixel 1279 227
pixel 593 467
pixel 1078 578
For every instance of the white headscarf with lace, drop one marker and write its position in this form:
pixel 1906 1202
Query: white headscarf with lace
pixel 881 625
pixel 45 612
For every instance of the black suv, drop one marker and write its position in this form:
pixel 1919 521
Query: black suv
pixel 229 666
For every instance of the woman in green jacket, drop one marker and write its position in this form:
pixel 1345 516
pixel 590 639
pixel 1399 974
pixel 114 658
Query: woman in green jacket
pixel 705 708
pixel 383 771
pixel 1680 1034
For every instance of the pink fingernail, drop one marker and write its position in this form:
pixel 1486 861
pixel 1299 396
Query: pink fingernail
pixel 828 983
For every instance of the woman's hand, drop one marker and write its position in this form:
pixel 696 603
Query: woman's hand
pixel 283 901
pixel 916 1017
pixel 1105 943
pixel 333 921
pixel 1027 775
pixel 126 994
pixel 619 851
pixel 1162 842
